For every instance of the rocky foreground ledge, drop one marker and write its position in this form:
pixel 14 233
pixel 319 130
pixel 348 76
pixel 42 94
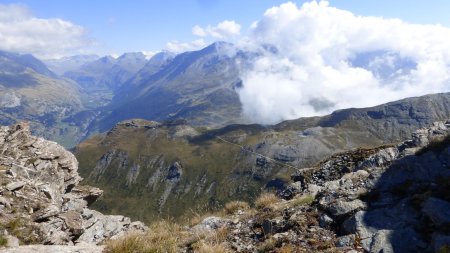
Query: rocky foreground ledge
pixel 41 201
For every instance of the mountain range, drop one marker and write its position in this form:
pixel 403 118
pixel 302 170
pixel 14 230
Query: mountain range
pixel 166 137
pixel 171 167
pixel 171 129
pixel 98 92
pixel 30 91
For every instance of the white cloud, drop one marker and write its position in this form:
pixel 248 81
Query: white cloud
pixel 224 30
pixel 149 54
pixel 21 32
pixel 315 59
pixel 178 47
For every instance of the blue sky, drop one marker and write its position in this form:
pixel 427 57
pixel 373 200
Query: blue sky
pixel 121 26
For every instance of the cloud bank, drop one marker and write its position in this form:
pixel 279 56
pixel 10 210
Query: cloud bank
pixel 21 32
pixel 224 30
pixel 315 58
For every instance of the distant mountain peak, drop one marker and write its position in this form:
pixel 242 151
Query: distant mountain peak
pixel 23 61
pixel 131 55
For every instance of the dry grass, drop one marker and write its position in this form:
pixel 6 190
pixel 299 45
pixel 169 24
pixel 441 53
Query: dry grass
pixel 266 201
pixel 287 249
pixel 193 218
pixel 302 200
pixel 212 241
pixel 25 232
pixel 205 247
pixel 267 246
pixel 163 236
pixel 234 206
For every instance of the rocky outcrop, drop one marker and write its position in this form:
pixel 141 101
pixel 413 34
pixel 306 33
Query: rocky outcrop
pixel 389 199
pixel 41 200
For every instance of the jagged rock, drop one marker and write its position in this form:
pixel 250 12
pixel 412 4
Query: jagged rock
pixel 275 225
pixel 290 190
pixel 325 221
pixel 15 185
pixel 46 213
pixel 100 227
pixel 74 222
pixel 340 207
pixel 345 241
pixel 12 241
pixel 209 224
pixel 5 202
pixel 43 193
pixel 382 195
pixel 174 172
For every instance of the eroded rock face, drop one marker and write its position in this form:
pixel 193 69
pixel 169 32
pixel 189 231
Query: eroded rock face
pixel 41 200
pixel 391 199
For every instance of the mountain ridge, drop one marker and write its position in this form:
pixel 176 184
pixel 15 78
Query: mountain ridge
pixel 135 159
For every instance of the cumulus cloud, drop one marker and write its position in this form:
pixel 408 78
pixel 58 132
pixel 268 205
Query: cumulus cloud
pixel 224 30
pixel 315 58
pixel 179 47
pixel 21 32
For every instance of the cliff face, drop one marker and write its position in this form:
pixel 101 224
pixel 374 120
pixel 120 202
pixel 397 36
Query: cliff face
pixel 41 200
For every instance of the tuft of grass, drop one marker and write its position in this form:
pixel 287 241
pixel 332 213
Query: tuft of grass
pixel 234 206
pixel 163 236
pixel 193 218
pixel 205 247
pixel 267 246
pixel 287 249
pixel 3 241
pixel 132 242
pixel 14 225
pixel 26 233
pixel 303 200
pixel 206 240
pixel 266 201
